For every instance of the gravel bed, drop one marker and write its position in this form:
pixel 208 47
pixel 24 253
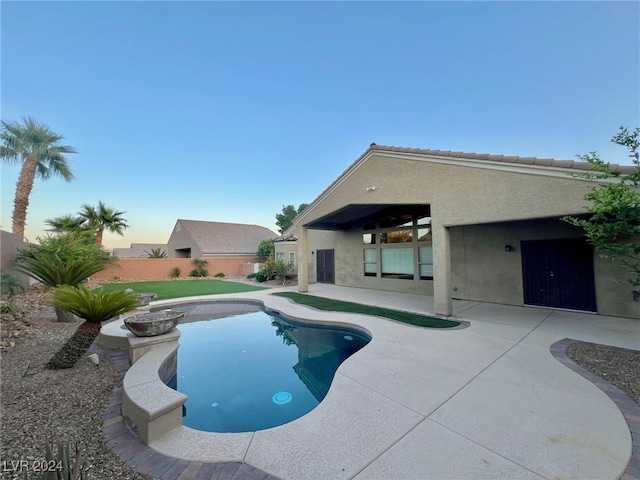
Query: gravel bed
pixel 618 366
pixel 36 402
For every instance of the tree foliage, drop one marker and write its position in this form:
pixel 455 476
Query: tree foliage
pixel 266 248
pixel 613 225
pixel 79 245
pixel 285 219
pixel 104 218
pixel 64 259
pixel 37 148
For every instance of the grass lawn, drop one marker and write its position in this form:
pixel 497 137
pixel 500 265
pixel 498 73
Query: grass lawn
pixel 340 306
pixel 184 288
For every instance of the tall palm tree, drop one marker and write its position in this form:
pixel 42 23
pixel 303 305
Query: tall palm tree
pixel 104 218
pixel 37 148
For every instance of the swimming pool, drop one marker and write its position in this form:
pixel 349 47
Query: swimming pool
pixel 245 369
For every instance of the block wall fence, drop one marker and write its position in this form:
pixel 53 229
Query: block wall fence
pixel 139 269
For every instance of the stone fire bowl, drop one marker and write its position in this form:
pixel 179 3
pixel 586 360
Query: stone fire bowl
pixel 152 324
pixel 143 298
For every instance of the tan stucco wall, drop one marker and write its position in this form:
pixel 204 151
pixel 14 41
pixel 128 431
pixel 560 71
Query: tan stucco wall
pixel 466 196
pixel 458 195
pixel 481 268
pixel 287 248
pixel 484 271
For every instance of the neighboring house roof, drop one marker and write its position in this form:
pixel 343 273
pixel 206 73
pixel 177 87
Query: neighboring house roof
pixel 138 249
pixel 226 238
pixel 486 160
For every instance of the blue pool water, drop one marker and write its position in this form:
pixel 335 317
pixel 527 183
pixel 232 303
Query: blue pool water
pixel 244 369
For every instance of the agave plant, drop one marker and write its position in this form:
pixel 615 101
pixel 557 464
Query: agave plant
pixel 54 271
pixel 94 307
pixel 156 253
pixel 58 464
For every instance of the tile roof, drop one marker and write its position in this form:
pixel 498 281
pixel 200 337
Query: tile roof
pixel 286 238
pixel 486 157
pixel 226 238
pixel 547 162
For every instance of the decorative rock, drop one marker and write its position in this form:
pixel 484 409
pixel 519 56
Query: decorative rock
pixel 93 358
pixel 152 324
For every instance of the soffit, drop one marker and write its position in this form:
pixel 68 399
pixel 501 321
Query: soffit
pixel 358 215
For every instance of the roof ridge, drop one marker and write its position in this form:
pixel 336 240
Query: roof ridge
pixel 225 223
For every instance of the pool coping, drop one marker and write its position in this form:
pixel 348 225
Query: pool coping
pixel 153 408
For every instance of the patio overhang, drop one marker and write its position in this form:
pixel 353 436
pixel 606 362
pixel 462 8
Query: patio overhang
pixel 359 215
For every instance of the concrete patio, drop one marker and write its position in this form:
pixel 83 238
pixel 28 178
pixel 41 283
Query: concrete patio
pixel 485 402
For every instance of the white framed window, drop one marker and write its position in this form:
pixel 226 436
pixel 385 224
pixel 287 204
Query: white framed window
pixel 292 258
pixel 279 255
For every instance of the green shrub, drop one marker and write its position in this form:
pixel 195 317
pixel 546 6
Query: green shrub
pixel 9 306
pixel 251 275
pixel 74 245
pixel 266 248
pixel 199 272
pixel 10 284
pixel 175 272
pixel 261 277
pixel 219 275
pixel 273 268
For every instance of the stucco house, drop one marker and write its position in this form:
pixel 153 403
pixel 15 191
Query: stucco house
pixel 456 225
pixel 229 248
pixel 200 239
pixel 286 248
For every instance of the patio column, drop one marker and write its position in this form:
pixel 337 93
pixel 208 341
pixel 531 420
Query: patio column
pixel 442 302
pixel 303 262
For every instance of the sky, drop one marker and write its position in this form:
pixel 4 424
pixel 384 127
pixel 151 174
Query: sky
pixel 227 111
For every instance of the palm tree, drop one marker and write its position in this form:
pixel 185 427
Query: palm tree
pixel 94 307
pixel 103 218
pixel 66 224
pixel 37 148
